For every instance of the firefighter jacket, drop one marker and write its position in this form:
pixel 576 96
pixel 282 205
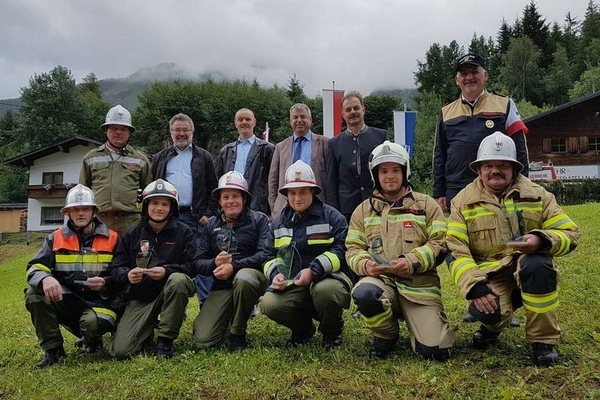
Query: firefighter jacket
pixel 412 227
pixel 250 236
pixel 256 172
pixel 204 178
pixel 115 178
pixel 349 180
pixel 318 235
pixel 461 128
pixel 66 253
pixel 480 226
pixel 174 248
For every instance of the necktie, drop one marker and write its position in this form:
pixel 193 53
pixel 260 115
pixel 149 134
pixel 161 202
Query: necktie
pixel 298 150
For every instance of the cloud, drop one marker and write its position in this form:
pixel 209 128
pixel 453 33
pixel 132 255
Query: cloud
pixel 359 44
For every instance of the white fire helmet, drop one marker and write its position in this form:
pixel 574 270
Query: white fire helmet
pixel 299 175
pixel 160 188
pixel 497 147
pixel 232 180
pixel 118 115
pixel 389 152
pixel 79 196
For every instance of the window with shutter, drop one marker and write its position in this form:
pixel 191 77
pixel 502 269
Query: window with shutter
pixel 573 145
pixel 546 145
pixel 558 145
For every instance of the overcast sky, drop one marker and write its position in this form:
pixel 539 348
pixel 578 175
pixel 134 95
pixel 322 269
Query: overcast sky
pixel 359 44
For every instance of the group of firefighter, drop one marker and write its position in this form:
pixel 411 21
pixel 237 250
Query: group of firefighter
pixel 106 270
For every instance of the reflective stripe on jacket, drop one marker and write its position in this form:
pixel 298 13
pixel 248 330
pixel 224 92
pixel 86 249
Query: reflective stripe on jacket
pixel 414 228
pixel 480 226
pixel 318 235
pixel 69 257
pixel 62 257
pixel 114 178
pixel 460 130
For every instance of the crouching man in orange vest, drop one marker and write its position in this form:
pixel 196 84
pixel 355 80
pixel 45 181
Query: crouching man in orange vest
pixel 69 280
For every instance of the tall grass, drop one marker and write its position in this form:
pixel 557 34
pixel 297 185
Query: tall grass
pixel 269 371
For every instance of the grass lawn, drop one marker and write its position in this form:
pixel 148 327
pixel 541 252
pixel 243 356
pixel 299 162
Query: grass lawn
pixel 268 371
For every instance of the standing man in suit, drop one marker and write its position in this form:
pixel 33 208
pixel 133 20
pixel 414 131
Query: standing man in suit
pixel 251 157
pixel 303 145
pixel 347 161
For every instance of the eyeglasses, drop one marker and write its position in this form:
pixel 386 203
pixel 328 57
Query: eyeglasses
pixel 182 130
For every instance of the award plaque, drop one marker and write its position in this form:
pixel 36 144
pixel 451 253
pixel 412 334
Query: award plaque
pixel 227 240
pixel 146 258
pixel 88 265
pixel 289 261
pixel 377 251
pixel 517 226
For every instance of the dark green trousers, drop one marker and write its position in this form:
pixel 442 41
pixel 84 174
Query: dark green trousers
pixel 71 312
pixel 296 306
pixel 231 307
pixel 140 318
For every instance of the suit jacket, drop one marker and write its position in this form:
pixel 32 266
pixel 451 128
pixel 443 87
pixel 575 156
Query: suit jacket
pixel 282 158
pixel 256 172
pixel 347 186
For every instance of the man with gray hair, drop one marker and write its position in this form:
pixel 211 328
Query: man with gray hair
pixel 251 157
pixel 305 145
pixel 191 170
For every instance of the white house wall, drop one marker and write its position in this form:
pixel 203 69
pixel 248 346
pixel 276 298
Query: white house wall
pixel 67 163
pixel 34 213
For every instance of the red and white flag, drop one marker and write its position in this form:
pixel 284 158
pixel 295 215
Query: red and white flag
pixel 332 112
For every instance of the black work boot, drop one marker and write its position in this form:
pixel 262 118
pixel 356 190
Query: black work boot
pixel 300 337
pixel 80 342
pixel 51 357
pixel 332 341
pixel 237 342
pixel 469 318
pixel 544 355
pixel 381 348
pixel 91 348
pixel 164 347
pixel 514 322
pixel 483 338
pixel 88 347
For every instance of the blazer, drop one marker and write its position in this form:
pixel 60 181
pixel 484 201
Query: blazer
pixel 282 158
pixel 256 172
pixel 347 186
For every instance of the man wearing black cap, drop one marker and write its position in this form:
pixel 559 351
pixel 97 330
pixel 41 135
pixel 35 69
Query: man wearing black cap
pixel 464 123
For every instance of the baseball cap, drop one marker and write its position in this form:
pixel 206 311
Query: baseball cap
pixel 469 59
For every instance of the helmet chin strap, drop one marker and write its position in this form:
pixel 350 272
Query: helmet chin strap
pixel 395 194
pixel 83 227
pixel 157 221
pixel 121 149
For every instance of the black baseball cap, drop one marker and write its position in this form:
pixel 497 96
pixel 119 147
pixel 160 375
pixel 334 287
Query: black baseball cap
pixel 469 59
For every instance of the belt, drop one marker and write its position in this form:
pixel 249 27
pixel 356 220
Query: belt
pixel 185 209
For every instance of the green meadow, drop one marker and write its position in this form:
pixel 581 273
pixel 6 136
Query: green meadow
pixel 269 371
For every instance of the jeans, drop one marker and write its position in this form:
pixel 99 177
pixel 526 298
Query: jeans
pixel 203 283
